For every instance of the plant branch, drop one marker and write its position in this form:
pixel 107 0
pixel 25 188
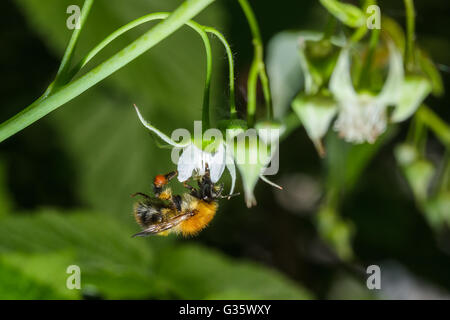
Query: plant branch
pixel 62 95
pixel 410 33
pixel 233 112
pixel 436 124
pixel 63 71
pixel 257 69
pixel 151 17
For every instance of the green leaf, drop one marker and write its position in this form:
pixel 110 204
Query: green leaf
pixel 48 269
pixel 348 14
pixel 113 265
pixel 17 286
pixel 114 155
pixel 200 273
pixel 43 245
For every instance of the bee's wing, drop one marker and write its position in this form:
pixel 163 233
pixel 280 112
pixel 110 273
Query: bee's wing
pixel 163 226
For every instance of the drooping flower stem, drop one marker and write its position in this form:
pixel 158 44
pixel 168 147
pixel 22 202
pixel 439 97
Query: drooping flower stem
pixel 410 33
pixel 233 113
pixel 62 95
pixel 201 30
pixel 207 91
pixel 436 124
pixel 160 16
pixel 257 68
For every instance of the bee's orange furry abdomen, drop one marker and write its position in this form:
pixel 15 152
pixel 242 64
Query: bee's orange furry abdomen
pixel 204 214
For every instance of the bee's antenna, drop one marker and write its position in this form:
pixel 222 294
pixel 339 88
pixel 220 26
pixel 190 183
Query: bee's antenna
pixel 230 196
pixel 140 194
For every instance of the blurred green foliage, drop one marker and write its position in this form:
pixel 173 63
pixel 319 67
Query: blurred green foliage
pixel 37 247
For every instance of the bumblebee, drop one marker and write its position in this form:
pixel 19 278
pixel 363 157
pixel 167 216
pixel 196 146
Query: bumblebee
pixel 165 213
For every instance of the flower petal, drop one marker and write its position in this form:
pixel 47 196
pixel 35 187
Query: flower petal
pixel 216 163
pixel 164 137
pixel 341 84
pixel 189 160
pixel 390 93
pixel 316 113
pixel 231 168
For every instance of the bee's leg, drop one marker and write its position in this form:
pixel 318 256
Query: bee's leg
pixel 229 196
pixel 169 176
pixel 176 200
pixel 141 194
pixel 217 192
pixel 207 171
pixel 207 189
pixel 194 192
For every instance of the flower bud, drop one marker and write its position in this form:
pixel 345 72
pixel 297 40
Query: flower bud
pixel 316 113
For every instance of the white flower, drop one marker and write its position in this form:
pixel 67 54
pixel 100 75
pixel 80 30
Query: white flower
pixel 316 113
pixel 193 160
pixel 252 152
pixel 362 116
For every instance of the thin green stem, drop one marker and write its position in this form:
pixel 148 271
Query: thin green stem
pixel 63 71
pixel 436 124
pixel 257 69
pixel 151 17
pixel 162 30
pixel 233 112
pixel 116 34
pixel 410 33
pixel 207 92
pixel 252 83
pixel 359 34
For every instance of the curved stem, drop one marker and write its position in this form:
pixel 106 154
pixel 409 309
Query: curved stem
pixel 207 92
pixel 410 33
pixel 436 124
pixel 252 83
pixel 257 69
pixel 233 112
pixel 68 54
pixel 151 17
pixel 62 95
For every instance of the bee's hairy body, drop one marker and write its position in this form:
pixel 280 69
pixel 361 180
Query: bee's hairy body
pixel 187 215
pixel 197 213
pixel 204 213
